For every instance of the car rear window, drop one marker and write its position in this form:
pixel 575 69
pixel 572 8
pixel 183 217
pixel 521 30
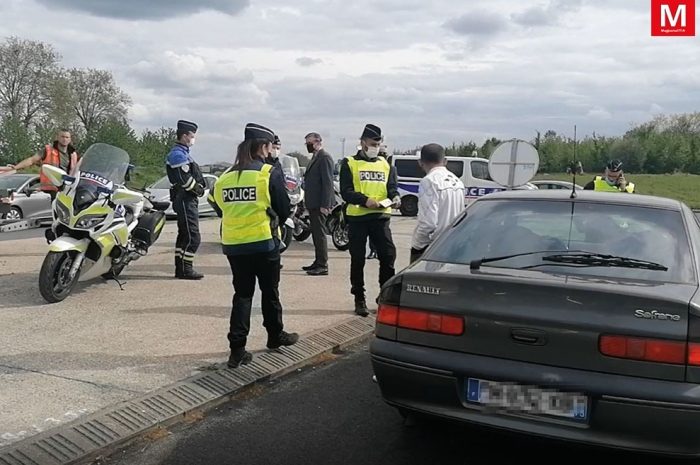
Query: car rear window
pixel 498 228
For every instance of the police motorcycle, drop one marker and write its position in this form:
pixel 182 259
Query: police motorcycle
pixel 336 224
pixel 299 218
pixel 99 226
pixel 292 177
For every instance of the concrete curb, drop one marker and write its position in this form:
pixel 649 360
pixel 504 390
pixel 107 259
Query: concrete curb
pixel 87 438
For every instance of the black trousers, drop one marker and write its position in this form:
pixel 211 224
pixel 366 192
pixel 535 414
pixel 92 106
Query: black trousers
pixel 188 238
pixel 379 233
pixel 319 233
pixel 265 267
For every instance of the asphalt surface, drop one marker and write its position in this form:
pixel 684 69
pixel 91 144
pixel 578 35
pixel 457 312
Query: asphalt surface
pixel 333 414
pixel 23 234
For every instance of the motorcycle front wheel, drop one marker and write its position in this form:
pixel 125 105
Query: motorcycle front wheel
pixel 287 234
pixel 340 235
pixel 55 283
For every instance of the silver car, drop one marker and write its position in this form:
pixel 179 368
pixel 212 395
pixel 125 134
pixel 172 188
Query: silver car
pixel 26 202
pixel 160 191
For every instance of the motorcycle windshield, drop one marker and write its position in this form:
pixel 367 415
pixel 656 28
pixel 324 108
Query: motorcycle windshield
pixel 104 164
pixel 292 172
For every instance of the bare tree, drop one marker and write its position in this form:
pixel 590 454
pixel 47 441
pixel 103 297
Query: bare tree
pixel 26 69
pixel 97 97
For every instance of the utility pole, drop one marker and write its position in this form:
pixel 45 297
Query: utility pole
pixel 342 154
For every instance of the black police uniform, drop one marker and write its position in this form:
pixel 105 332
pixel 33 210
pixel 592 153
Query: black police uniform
pixel 187 185
pixel 375 226
pixel 257 261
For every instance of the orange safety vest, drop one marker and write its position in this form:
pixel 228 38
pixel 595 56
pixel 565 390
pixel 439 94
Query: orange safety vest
pixel 53 158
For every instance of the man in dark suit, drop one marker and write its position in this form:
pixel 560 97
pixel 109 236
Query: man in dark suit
pixel 319 197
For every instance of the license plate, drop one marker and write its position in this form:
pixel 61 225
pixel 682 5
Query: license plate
pixel 512 397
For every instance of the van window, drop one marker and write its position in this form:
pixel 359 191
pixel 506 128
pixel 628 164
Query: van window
pixel 480 170
pixel 457 167
pixel 408 169
pixel 411 168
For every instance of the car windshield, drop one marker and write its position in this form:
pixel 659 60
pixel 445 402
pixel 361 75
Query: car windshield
pixel 13 181
pixel 162 183
pixel 550 228
pixel 106 161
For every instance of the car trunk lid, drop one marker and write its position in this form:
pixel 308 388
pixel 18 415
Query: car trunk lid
pixel 586 323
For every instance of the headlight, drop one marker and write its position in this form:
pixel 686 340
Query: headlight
pixel 90 221
pixel 62 213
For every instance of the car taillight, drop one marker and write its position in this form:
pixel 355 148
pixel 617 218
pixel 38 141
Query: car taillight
pixel 694 354
pixel 643 349
pixel 420 320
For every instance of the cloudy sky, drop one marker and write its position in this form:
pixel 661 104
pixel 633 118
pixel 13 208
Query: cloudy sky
pixel 439 71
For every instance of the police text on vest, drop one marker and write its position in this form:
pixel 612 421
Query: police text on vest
pixel 240 194
pixel 372 176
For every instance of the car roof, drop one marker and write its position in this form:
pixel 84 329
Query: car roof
pixel 22 176
pixel 637 200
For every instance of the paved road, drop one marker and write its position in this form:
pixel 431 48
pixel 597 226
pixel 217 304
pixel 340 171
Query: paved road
pixel 333 414
pixel 104 345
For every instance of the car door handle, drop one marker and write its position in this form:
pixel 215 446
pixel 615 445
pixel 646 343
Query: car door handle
pixel 533 337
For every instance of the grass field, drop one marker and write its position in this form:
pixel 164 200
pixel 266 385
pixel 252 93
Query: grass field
pixel 683 187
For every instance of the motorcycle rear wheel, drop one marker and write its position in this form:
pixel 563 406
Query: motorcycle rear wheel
pixel 54 283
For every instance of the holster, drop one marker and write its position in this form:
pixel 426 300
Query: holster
pixel 274 224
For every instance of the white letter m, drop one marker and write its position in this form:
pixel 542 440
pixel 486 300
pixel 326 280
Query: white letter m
pixel 673 19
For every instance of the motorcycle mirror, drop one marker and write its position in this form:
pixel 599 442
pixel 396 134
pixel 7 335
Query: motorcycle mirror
pixel 56 175
pixel 126 197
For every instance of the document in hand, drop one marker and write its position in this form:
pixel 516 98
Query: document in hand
pixel 386 203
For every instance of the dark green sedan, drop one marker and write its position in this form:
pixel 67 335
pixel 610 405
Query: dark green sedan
pixel 570 317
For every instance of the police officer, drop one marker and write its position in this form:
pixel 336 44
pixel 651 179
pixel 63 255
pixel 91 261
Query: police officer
pixel 187 185
pixel 366 180
pixel 252 201
pixel 274 157
pixel 612 181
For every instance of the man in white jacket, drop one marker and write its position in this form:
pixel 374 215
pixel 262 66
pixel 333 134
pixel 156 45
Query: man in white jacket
pixel 440 199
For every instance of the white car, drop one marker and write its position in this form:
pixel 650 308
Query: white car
pixel 160 192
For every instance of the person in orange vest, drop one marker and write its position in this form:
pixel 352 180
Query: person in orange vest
pixel 61 154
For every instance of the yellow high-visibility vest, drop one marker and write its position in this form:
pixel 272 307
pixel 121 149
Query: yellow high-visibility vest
pixel 602 185
pixel 244 198
pixel 369 178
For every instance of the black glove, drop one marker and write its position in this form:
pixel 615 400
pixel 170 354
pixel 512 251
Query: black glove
pixel 198 190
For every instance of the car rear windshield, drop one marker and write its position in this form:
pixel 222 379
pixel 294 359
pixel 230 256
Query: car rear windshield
pixel 506 227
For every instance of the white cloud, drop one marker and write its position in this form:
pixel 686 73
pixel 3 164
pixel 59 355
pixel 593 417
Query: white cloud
pixel 425 71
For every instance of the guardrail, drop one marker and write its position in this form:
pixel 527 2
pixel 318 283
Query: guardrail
pixel 19 225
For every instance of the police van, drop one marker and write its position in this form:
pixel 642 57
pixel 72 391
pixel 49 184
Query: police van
pixel 473 171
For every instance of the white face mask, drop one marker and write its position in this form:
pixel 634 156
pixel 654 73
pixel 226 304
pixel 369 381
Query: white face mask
pixel 275 153
pixel 191 142
pixel 372 152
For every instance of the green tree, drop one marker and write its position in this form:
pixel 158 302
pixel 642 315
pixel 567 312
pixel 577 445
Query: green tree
pixel 16 142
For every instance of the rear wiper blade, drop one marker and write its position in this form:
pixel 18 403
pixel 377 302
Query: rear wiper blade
pixel 476 264
pixel 596 259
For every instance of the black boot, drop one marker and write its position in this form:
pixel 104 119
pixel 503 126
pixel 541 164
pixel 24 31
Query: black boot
pixel 239 357
pixel 282 339
pixel 361 307
pixel 188 272
pixel 178 267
